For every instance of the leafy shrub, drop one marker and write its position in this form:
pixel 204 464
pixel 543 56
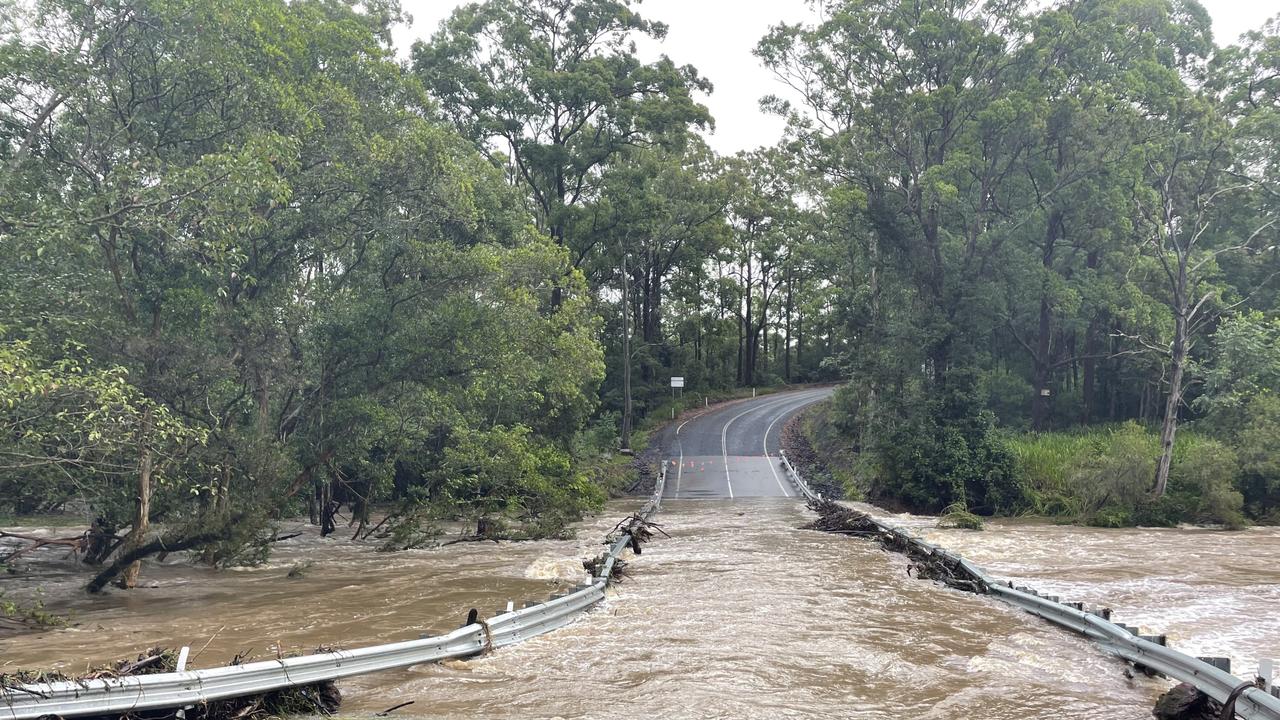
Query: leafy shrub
pixel 1117 473
pixel 1202 483
pixel 958 516
pixel 1258 453
pixel 946 454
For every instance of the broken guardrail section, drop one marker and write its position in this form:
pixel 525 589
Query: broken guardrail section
pixel 1254 700
pixel 191 688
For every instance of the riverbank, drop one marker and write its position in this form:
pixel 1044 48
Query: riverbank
pixel 1097 476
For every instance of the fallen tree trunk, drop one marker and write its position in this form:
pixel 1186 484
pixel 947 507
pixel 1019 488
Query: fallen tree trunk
pixel 75 544
pixel 166 543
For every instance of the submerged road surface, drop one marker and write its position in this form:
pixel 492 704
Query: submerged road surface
pixel 731 451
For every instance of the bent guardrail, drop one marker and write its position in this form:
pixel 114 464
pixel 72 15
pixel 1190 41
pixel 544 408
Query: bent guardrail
pixel 192 687
pixel 1253 701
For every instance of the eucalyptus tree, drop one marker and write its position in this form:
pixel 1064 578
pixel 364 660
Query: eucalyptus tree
pixel 665 216
pixel 1194 211
pixel 763 217
pixel 914 93
pixel 559 85
pixel 1091 76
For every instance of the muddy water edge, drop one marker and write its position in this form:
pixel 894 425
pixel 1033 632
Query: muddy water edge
pixel 740 614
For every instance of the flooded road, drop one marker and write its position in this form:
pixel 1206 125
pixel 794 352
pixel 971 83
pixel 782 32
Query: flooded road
pixel 739 614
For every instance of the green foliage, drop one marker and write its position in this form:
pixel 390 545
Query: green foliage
pixel 1102 477
pixel 1259 457
pixel 505 472
pixel 275 280
pixel 30 614
pixel 1245 367
pixel 956 515
pixel 946 452
pixel 1063 219
pixel 72 430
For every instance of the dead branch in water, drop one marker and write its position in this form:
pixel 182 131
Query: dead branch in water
pixel 75 544
pixel 638 528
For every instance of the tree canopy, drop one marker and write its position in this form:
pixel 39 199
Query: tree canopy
pixel 257 266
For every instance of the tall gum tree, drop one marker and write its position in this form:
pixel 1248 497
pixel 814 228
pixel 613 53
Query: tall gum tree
pixel 558 85
pixel 906 103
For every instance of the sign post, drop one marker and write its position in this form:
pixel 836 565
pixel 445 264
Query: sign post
pixel 677 383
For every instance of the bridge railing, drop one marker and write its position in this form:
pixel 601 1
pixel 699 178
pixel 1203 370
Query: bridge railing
pixel 187 688
pixel 1258 700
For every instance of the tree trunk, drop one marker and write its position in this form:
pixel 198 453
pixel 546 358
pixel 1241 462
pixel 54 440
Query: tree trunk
pixel 625 435
pixel 1042 361
pixel 1169 429
pixel 748 350
pixel 142 510
pixel 800 340
pixel 786 345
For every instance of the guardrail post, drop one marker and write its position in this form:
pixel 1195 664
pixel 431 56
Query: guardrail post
pixel 1266 673
pixel 182 659
pixel 1223 664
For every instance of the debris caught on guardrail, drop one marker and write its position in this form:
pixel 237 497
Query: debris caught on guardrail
pixel 303 685
pixel 317 699
pixel 926 563
pixel 639 528
pixel 596 565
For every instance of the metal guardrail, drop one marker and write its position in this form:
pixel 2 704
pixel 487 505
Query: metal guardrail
pixel 1253 703
pixel 192 687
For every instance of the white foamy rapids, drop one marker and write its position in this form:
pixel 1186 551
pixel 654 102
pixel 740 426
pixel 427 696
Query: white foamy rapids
pixel 567 569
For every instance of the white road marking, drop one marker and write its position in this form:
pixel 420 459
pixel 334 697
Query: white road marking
pixel 764 444
pixel 724 436
pixel 680 444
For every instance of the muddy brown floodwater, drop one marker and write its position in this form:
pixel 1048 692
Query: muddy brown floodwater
pixel 739 614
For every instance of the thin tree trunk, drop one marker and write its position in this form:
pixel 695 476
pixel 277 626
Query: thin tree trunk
pixel 749 350
pixel 625 439
pixel 1178 357
pixel 1044 331
pixel 142 510
pixel 786 345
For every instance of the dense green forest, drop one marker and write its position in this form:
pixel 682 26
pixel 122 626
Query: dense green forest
pixel 257 266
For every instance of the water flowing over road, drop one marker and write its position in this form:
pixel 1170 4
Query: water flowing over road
pixel 739 614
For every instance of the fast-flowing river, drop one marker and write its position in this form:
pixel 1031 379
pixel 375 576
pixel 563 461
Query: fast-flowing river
pixel 740 614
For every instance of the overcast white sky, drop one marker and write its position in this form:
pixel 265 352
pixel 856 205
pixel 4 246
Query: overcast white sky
pixel 717 36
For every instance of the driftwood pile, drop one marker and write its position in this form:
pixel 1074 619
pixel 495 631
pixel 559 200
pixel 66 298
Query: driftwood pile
pixel 639 530
pixel 317 699
pixel 926 563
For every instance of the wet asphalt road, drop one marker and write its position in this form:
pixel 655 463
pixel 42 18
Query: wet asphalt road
pixel 731 451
